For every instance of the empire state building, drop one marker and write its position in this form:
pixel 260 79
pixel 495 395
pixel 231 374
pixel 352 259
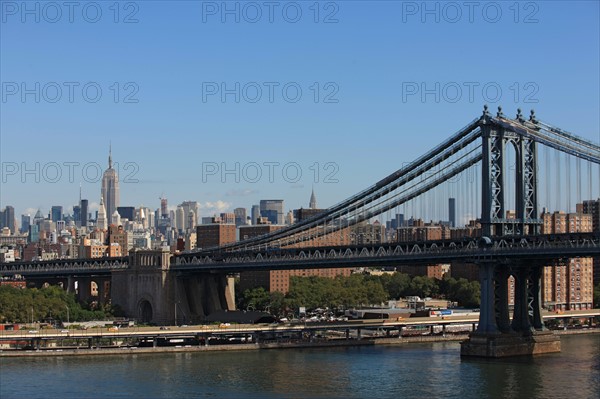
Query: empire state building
pixel 110 187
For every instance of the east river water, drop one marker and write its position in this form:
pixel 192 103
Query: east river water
pixel 433 370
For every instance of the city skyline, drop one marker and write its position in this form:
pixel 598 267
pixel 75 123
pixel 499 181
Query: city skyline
pixel 390 101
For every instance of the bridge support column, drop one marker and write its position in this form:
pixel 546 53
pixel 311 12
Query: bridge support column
pixel 84 289
pixel 487 315
pixel 536 294
pixel 501 299
pixel 521 321
pixel 494 336
pixel 101 292
pixel 202 294
pixel 70 284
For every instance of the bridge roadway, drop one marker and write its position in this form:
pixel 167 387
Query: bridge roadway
pixel 501 249
pixel 220 330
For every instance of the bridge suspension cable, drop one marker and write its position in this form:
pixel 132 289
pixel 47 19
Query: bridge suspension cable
pixel 414 186
pixel 433 158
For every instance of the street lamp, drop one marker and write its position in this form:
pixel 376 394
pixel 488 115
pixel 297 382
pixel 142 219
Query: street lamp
pixel 66 306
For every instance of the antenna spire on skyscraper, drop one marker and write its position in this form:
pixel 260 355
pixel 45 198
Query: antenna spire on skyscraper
pixel 109 155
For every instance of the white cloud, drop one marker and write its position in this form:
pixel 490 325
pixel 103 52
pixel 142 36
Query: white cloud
pixel 209 208
pixel 30 211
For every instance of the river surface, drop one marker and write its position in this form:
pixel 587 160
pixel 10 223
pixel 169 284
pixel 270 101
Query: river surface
pixel 433 370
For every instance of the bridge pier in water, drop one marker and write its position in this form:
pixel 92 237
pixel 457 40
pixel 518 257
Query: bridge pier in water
pixel 496 336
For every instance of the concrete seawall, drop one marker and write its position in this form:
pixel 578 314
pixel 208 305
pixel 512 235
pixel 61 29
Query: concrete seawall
pixel 254 346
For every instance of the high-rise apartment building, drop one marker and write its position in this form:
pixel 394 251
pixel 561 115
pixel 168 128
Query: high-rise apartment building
pixel 227 218
pixel 214 235
pixel 279 280
pixel 116 235
pixel 592 207
pixel 568 285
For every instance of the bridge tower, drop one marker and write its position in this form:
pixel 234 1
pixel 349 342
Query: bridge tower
pixel 496 335
pixel 495 138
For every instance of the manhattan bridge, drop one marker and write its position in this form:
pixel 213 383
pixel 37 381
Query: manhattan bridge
pixel 503 171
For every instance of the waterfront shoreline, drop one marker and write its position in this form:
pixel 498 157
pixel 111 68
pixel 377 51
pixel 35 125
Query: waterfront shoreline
pixel 255 346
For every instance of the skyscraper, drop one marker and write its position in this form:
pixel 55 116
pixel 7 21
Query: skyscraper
pixel 164 209
pixel 101 220
pixel 25 223
pixel 84 212
pixel 255 214
pixel 240 216
pixel 110 187
pixel 38 218
pixel 272 210
pixel 34 233
pixel 180 219
pixel 187 207
pixel 452 211
pixel 7 219
pixel 126 212
pixel 191 220
pixel 313 200
pixel 57 213
pixel 77 214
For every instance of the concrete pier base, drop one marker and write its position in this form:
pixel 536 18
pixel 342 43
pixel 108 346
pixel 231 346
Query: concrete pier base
pixel 506 345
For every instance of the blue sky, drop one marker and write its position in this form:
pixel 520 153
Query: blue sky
pixel 360 115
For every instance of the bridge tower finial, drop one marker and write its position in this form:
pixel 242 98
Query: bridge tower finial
pixel 532 118
pixel 500 114
pixel 520 115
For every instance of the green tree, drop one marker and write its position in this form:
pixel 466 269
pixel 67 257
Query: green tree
pixel 277 303
pixel 376 294
pixel 468 293
pixel 397 285
pixel 256 298
pixel 18 305
pixel 597 296
pixel 423 286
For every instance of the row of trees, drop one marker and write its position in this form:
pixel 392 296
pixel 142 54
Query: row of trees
pixel 19 305
pixel 358 290
pixel 24 305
